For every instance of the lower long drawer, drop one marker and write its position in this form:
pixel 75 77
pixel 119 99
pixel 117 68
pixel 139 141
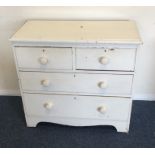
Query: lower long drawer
pixel 93 107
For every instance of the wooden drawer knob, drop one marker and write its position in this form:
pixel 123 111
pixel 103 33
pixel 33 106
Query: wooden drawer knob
pixel 45 83
pixel 48 105
pixel 102 109
pixel 104 60
pixel 103 84
pixel 43 60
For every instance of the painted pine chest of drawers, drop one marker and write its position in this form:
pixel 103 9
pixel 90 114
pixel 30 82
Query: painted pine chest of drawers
pixel 77 73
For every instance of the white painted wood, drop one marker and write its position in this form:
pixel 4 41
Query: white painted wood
pixel 79 31
pixel 121 126
pixel 60 74
pixel 105 59
pixel 73 44
pixel 75 71
pixel 85 83
pixel 145 97
pixel 74 93
pixel 33 57
pixel 77 106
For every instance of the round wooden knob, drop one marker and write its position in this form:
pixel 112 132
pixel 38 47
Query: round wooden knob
pixel 104 60
pixel 48 105
pixel 43 60
pixel 103 84
pixel 102 109
pixel 45 83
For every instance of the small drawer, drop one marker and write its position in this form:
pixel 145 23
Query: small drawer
pixel 44 58
pixel 105 59
pixel 109 108
pixel 99 84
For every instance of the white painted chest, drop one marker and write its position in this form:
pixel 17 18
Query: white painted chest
pixel 77 73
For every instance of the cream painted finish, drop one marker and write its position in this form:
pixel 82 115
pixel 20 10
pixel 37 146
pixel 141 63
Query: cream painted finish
pixel 44 58
pixel 105 59
pixel 77 106
pixel 116 85
pixel 66 92
pixel 79 31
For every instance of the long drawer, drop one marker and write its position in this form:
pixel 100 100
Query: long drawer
pixel 109 108
pixel 43 58
pixel 105 84
pixel 105 59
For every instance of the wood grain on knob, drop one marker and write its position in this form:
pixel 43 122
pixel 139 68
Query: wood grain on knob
pixel 48 105
pixel 43 60
pixel 103 84
pixel 102 109
pixel 104 60
pixel 45 82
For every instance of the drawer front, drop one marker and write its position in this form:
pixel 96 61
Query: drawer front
pixel 105 84
pixel 93 107
pixel 101 59
pixel 44 58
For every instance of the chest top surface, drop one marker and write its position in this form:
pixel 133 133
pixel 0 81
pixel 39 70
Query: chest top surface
pixel 78 31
